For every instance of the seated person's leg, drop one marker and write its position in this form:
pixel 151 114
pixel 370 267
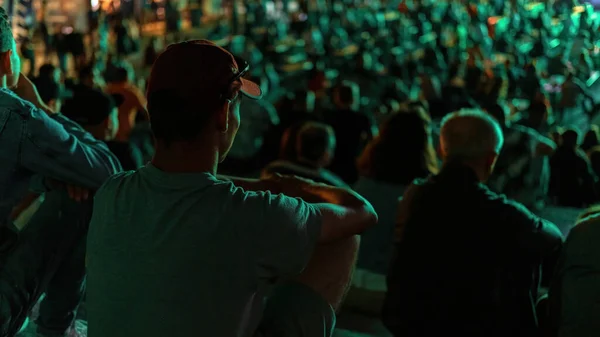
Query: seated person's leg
pixel 63 294
pixel 51 235
pixel 305 306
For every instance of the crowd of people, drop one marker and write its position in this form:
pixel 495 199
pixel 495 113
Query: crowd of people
pixel 254 183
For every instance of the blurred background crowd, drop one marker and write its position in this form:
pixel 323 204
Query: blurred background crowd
pixel 355 90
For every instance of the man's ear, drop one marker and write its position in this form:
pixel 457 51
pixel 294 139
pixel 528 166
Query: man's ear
pixel 6 62
pixel 491 160
pixel 223 116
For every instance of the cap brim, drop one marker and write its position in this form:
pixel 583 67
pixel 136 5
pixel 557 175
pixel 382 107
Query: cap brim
pixel 250 89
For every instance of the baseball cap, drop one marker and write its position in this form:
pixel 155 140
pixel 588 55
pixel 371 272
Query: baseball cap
pixel 90 106
pixel 199 70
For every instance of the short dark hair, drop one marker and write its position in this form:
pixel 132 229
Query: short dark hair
pixel 6 35
pixel 121 73
pixel 314 140
pixel 175 119
pixel 86 71
pixel 46 71
pixel 48 89
pixel 570 137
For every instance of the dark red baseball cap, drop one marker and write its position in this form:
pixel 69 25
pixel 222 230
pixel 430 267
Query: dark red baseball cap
pixel 199 70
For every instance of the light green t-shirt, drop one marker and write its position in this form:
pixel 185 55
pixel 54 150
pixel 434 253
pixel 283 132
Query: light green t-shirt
pixel 183 255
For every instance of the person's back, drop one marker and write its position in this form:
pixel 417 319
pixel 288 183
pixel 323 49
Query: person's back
pixel 456 256
pixel 193 254
pixel 572 181
pixel 574 292
pixel 133 102
pixel 465 256
pixel 174 251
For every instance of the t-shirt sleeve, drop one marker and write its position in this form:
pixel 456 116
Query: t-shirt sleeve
pixel 280 230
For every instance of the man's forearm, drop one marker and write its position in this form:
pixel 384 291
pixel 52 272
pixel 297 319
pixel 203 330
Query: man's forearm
pixel 309 192
pixel 58 148
pixel 251 184
pixel 320 193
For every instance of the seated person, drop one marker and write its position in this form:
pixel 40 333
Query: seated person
pixel 203 261
pixel 315 148
pixel 97 113
pixel 133 101
pixel 465 256
pixel 575 289
pixel 573 180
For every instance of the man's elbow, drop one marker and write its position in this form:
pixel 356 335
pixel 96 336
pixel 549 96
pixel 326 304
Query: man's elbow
pixel 103 171
pixel 369 217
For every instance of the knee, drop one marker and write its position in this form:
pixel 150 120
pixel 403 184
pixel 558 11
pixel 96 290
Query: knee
pixel 329 272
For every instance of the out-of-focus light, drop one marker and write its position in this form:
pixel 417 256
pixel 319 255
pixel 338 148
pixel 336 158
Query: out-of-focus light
pixel 95 5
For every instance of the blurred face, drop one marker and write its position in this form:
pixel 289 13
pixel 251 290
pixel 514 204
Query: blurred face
pixel 11 65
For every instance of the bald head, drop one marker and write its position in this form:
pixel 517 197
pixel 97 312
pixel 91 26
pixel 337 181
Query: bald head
pixel 470 135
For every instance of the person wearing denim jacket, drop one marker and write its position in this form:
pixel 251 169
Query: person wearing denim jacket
pixel 38 146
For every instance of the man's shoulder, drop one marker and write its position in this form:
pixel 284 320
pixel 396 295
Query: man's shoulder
pixel 10 102
pixel 480 196
pixel 114 182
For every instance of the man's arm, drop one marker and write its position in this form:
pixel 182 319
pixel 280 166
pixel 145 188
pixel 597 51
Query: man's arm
pixel 56 147
pixel 545 146
pixel 344 212
pixel 537 237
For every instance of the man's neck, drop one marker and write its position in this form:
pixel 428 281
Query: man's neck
pixel 184 159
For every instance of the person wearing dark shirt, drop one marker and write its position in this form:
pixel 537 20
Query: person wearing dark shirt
pixel 572 179
pixel 352 130
pixel 315 148
pixel 467 260
pixel 97 113
pixel 294 111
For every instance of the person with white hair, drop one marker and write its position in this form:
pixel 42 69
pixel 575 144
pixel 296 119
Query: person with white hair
pixel 466 256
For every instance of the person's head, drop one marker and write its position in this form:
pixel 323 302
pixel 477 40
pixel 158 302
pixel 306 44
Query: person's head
pixel 50 72
pixel 570 138
pixel 501 112
pixel 95 111
pixel 346 95
pixel 303 101
pixel 51 92
pixel 122 73
pixel 315 144
pixel 472 138
pixel 10 63
pixel 194 93
pixel 89 76
pixel 403 150
pixel 591 138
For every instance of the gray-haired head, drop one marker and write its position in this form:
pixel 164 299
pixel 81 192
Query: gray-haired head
pixel 470 134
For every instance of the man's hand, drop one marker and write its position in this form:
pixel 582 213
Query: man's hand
pixel 27 91
pixel 76 193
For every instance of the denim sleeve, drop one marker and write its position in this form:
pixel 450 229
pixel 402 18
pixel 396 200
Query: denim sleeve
pixel 58 148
